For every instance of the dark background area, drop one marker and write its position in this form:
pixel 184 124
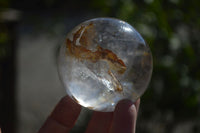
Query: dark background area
pixel 170 27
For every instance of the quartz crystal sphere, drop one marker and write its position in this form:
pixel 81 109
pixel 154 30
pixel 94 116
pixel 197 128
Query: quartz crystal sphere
pixel 103 61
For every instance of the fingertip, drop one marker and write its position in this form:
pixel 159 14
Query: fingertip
pixel 137 104
pixel 125 115
pixel 63 117
pixel 66 111
pixel 126 105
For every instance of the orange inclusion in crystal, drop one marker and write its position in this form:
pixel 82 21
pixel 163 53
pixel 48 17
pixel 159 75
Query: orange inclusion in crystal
pixel 82 53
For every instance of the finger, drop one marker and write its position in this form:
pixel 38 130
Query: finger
pixel 124 118
pixel 63 118
pixel 137 104
pixel 100 122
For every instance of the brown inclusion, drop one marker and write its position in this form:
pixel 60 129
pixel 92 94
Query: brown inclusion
pixel 82 53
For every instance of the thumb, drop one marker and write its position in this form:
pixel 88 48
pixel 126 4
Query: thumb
pixel 124 119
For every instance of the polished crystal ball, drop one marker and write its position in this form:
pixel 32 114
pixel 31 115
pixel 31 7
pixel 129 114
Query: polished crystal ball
pixel 103 61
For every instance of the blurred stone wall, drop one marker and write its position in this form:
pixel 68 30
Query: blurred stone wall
pixel 38 84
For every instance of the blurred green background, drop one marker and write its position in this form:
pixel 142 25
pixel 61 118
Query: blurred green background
pixel 171 104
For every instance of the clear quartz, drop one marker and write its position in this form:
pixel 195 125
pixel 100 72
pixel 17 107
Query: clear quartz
pixel 103 61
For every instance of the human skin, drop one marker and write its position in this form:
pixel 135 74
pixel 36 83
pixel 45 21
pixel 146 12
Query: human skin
pixel 66 112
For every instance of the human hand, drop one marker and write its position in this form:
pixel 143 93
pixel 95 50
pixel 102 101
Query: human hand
pixel 65 114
